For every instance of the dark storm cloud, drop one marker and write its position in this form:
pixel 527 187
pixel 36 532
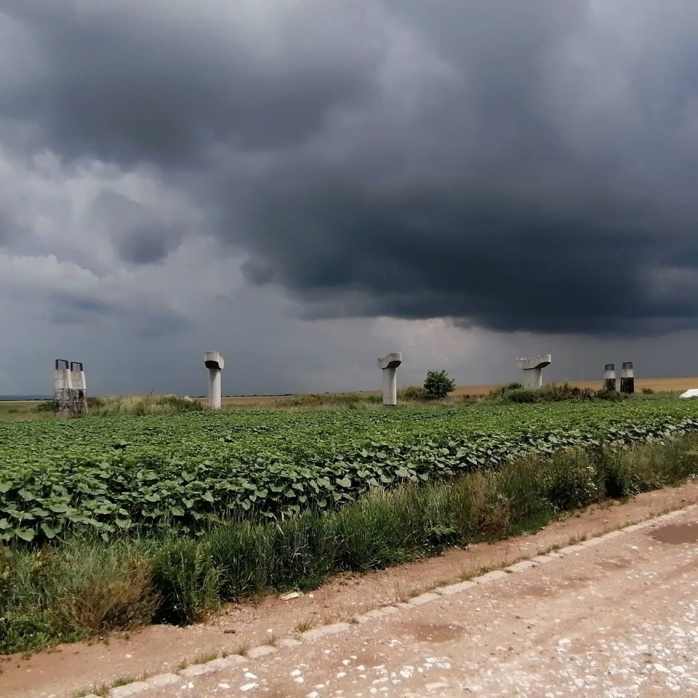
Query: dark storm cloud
pixel 514 165
pixel 166 81
pixel 546 197
pixel 464 252
pixel 136 234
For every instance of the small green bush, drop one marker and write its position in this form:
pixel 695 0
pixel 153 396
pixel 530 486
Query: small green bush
pixel 439 384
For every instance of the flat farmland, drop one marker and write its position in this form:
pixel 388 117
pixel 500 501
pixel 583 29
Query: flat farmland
pixel 111 522
pixel 658 385
pixel 114 474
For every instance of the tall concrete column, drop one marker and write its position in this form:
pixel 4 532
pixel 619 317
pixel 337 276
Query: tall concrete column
pixel 388 365
pixel 62 387
pixel 609 377
pixel 78 383
pixel 532 368
pixel 627 378
pixel 214 363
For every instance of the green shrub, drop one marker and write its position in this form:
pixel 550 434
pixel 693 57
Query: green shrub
pixel 439 384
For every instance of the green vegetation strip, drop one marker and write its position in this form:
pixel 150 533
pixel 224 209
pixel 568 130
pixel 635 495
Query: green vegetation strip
pixel 192 471
pixel 86 586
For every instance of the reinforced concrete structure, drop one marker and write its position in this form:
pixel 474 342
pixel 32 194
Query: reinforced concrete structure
pixel 609 377
pixel 214 363
pixel 388 365
pixel 627 378
pixel 69 388
pixel 533 369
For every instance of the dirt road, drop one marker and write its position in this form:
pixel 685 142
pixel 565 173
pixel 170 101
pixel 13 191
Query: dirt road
pixel 616 616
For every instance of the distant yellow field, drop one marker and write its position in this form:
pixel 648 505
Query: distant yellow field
pixel 659 385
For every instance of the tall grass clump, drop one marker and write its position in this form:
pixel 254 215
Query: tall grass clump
pixel 142 405
pixel 84 586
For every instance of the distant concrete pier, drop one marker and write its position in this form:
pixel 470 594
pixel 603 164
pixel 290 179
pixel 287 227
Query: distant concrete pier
pixel 609 377
pixel 627 378
pixel 533 369
pixel 388 365
pixel 214 363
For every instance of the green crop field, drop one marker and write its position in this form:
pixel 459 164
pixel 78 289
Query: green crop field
pixel 193 470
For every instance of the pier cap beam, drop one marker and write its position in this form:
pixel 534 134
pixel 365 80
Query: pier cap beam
pixel 534 362
pixel 213 359
pixel 533 369
pixel 392 360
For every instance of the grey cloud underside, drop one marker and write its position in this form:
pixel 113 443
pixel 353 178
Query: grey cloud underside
pixel 136 234
pixel 74 308
pixel 520 166
pixel 483 259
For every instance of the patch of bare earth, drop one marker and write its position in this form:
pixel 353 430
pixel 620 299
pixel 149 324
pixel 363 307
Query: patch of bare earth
pixel 62 672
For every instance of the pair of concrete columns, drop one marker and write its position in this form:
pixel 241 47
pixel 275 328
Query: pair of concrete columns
pixel 69 388
pixel 627 378
pixel 215 363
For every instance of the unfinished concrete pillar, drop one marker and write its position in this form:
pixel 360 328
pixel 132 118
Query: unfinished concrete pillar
pixel 533 369
pixel 609 377
pixel 214 363
pixel 62 388
pixel 627 378
pixel 388 365
pixel 78 385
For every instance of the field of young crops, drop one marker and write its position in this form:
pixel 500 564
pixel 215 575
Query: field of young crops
pixel 126 473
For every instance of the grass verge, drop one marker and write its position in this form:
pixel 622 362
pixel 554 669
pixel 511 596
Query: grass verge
pixel 84 587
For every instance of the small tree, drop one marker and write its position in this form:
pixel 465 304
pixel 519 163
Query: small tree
pixel 439 384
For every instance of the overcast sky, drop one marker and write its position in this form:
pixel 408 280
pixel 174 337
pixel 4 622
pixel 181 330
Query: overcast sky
pixel 305 186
